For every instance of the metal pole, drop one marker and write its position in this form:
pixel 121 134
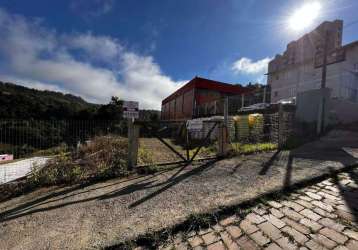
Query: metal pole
pixel 264 97
pixel 226 111
pixel 323 81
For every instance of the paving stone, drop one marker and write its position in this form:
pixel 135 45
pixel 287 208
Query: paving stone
pixel 352 234
pixel 218 228
pixel 352 245
pixel 299 227
pixel 345 215
pixel 323 240
pixel 313 245
pixel 260 211
pixel 328 196
pixel 270 230
pixel 299 237
pixel 314 226
pixel 234 231
pixel 181 246
pixel 216 246
pixel 273 246
pixel 210 238
pixel 255 218
pixel 313 196
pixel 291 213
pixel 310 214
pixel 344 208
pixel 306 198
pixel 334 235
pixel 340 248
pixel 333 203
pixel 303 248
pixel 260 238
pixel 333 189
pixel 274 220
pixel 274 204
pixel 276 213
pixel 331 224
pixel 328 182
pixel 304 203
pixel 228 241
pixel 195 248
pixel 191 234
pixel 205 231
pixel 195 241
pixel 246 243
pixel 324 213
pixel 293 205
pixel 323 206
pixel 229 220
pixel 286 243
pixel 248 227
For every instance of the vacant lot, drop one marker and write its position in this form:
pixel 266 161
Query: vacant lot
pixel 83 217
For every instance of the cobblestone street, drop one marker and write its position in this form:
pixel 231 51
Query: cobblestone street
pixel 322 216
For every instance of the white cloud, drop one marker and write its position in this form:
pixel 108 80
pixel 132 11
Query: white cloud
pixel 94 67
pixel 247 66
pixel 255 69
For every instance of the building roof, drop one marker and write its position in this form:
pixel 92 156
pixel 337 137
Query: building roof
pixel 202 83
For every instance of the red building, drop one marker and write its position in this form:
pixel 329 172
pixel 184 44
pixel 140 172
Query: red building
pixel 199 97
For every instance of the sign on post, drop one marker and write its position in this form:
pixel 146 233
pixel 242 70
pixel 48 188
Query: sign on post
pixel 194 125
pixel 130 109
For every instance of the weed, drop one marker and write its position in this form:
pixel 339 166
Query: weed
pixel 238 148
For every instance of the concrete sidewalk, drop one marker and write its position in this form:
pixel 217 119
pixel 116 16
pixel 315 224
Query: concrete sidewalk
pixel 19 168
pixel 107 213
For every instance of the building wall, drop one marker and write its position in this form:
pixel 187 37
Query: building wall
pixel 180 108
pixel 286 80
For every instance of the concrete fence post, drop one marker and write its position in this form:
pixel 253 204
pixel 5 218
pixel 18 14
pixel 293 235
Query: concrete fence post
pixel 133 144
pixel 281 127
pixel 223 144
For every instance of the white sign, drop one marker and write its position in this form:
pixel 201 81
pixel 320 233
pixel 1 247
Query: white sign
pixel 130 109
pixel 194 125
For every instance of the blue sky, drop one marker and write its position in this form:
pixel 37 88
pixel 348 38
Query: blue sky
pixel 143 50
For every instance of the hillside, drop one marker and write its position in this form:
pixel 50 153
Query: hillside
pixel 23 103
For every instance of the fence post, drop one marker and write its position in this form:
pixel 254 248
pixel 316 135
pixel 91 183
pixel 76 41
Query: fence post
pixel 223 144
pixel 133 144
pixel 281 127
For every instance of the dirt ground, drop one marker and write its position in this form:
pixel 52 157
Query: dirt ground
pixel 106 213
pixel 162 154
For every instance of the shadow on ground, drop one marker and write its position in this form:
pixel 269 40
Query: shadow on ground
pixel 144 183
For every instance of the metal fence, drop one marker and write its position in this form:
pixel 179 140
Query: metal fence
pixel 23 138
pixel 34 142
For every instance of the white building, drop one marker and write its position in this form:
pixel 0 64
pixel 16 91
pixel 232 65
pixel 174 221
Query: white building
pixel 300 67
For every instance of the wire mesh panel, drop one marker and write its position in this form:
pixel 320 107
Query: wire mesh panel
pixel 162 142
pixel 23 138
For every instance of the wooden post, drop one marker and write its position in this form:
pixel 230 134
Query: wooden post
pixel 133 144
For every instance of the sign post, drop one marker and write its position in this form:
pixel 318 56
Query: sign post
pixel 131 112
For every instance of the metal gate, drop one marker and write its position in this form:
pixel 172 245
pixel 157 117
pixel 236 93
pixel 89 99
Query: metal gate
pixel 156 139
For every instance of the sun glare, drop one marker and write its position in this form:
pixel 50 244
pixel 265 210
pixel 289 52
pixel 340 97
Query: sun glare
pixel 304 16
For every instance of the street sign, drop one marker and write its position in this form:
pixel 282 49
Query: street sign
pixel 130 109
pixel 334 56
pixel 194 125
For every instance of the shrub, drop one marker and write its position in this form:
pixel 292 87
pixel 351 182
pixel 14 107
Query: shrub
pixel 102 158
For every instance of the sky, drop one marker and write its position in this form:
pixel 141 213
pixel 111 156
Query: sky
pixel 144 50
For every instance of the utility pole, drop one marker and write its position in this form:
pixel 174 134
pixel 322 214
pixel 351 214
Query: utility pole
pixel 323 81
